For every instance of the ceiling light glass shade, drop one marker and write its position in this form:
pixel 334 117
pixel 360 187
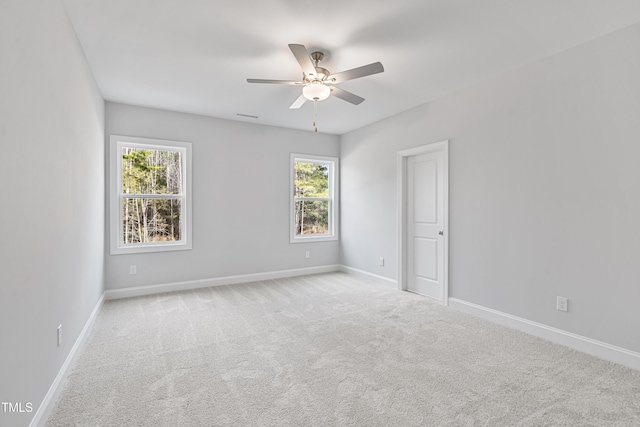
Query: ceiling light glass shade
pixel 316 91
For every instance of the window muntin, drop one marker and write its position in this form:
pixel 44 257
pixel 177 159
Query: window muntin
pixel 150 200
pixel 313 203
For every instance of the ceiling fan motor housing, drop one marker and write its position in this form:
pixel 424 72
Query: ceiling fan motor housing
pixel 321 75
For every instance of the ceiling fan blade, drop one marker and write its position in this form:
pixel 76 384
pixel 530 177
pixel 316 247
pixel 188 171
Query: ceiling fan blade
pixel 298 103
pixel 304 59
pixel 346 96
pixel 275 82
pixel 355 73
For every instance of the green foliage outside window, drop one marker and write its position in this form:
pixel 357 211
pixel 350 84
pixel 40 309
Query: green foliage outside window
pixel 151 173
pixel 311 181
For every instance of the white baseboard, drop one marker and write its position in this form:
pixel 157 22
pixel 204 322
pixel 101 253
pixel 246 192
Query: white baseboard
pixel 50 399
pixel 217 281
pixel 375 277
pixel 577 342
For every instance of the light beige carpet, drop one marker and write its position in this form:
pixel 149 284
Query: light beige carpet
pixel 328 350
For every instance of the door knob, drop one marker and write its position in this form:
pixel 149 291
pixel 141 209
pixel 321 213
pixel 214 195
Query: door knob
pixel 441 233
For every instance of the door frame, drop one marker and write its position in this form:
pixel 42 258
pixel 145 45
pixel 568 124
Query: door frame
pixel 403 155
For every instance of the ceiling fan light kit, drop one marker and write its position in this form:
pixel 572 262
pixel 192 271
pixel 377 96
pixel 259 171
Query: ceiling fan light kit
pixel 316 91
pixel 317 82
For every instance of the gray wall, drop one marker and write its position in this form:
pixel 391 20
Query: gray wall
pixel 240 198
pixel 52 209
pixel 544 189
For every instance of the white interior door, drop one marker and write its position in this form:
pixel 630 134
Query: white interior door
pixel 426 225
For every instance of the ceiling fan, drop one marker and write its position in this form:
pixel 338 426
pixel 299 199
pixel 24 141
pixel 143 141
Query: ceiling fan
pixel 317 82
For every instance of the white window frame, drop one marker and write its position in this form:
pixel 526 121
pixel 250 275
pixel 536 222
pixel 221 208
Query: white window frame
pixel 333 172
pixel 117 142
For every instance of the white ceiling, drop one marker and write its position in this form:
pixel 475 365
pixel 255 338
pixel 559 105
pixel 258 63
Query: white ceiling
pixel 194 56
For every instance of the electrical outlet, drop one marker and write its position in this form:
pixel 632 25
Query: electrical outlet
pixel 307 255
pixel 562 304
pixel 382 261
pixel 133 269
pixel 59 335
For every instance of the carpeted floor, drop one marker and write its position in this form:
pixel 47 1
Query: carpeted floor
pixel 326 350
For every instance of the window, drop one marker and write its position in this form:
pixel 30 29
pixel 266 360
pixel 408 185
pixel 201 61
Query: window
pixel 314 204
pixel 150 206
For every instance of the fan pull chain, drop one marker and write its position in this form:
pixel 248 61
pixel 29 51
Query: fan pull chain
pixel 315 114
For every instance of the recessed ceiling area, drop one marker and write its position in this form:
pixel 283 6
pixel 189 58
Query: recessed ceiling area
pixel 195 56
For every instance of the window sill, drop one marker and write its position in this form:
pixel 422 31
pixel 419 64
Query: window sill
pixel 149 248
pixel 311 239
